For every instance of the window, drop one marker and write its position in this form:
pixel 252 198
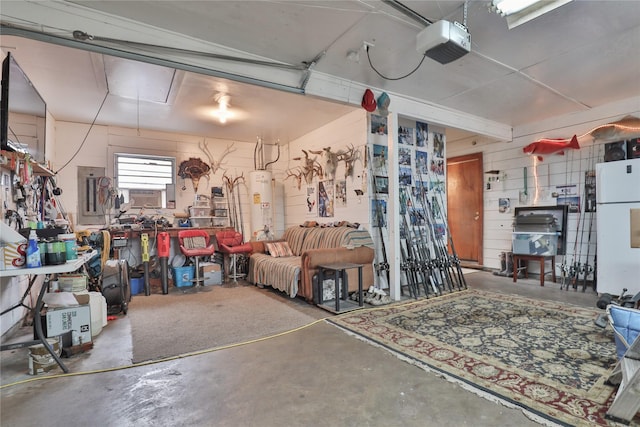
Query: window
pixel 146 181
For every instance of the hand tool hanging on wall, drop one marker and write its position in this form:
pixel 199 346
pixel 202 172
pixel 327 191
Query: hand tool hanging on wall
pixel 144 243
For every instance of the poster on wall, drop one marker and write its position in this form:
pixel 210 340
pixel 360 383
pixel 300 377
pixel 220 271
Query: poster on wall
pixel 405 175
pixel 572 201
pixel 439 230
pixel 568 195
pixel 341 193
pixel 380 156
pixel 382 184
pixel 422 162
pixel 437 166
pixel 312 208
pixel 438 145
pixel 325 198
pixel 436 186
pixel 504 205
pixel 378 213
pixel 404 156
pixel 378 125
pixel 422 134
pixel 405 135
pixel 590 191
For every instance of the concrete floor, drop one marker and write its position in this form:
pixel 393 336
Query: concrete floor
pixel 318 376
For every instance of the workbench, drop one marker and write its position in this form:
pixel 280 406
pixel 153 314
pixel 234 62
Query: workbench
pixel 152 232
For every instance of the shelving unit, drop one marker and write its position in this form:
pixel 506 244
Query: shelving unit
pixel 220 211
pixel 37 168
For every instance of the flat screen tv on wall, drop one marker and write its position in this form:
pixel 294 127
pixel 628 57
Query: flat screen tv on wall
pixel 23 113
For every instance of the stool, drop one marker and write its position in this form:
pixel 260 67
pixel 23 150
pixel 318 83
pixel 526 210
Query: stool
pixel 195 244
pixel 230 243
pixel 340 277
pixel 541 259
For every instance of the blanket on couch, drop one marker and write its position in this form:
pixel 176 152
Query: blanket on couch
pixel 284 273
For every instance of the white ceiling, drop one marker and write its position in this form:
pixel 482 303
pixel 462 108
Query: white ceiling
pixel 580 56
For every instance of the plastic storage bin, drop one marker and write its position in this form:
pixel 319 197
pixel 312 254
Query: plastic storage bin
pixel 137 285
pixel 202 221
pixel 194 211
pixel 183 276
pixel 544 244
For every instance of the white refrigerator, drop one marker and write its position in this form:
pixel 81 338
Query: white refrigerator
pixel 618 226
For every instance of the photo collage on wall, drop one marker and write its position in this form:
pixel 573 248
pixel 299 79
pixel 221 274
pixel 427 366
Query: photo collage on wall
pixel 421 179
pixel 421 151
pixel 421 182
pixel 379 158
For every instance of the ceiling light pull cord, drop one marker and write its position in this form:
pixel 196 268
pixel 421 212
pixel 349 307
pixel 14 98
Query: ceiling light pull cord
pixel 393 78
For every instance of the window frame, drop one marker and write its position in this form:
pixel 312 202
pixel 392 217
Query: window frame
pixel 167 191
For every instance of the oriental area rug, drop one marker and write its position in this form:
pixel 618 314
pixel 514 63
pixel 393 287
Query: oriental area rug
pixel 548 358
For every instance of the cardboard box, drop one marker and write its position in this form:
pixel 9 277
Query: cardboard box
pixel 207 267
pixel 212 278
pixel 544 244
pixel 60 320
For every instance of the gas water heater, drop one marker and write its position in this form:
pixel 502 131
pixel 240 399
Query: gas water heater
pixel 261 197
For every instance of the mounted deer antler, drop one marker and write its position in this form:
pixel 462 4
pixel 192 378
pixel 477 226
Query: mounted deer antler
pixel 349 158
pixel 297 176
pixel 310 168
pixel 331 163
pixel 215 165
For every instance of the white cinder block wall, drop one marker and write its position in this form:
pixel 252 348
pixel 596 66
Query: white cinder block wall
pixel 554 170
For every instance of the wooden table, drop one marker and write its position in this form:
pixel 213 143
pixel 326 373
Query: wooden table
pixel 541 259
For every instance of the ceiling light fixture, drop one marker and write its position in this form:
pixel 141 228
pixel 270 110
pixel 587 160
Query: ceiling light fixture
pixel 222 113
pixel 518 12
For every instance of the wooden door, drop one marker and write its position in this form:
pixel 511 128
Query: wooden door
pixel 465 206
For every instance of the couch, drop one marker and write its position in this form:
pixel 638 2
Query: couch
pixel 292 272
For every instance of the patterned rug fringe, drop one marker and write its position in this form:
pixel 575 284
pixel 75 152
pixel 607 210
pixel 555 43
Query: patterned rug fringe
pixel 465 385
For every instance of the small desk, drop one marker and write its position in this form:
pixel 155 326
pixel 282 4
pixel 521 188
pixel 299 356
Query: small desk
pixel 339 269
pixel 68 267
pixel 541 259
